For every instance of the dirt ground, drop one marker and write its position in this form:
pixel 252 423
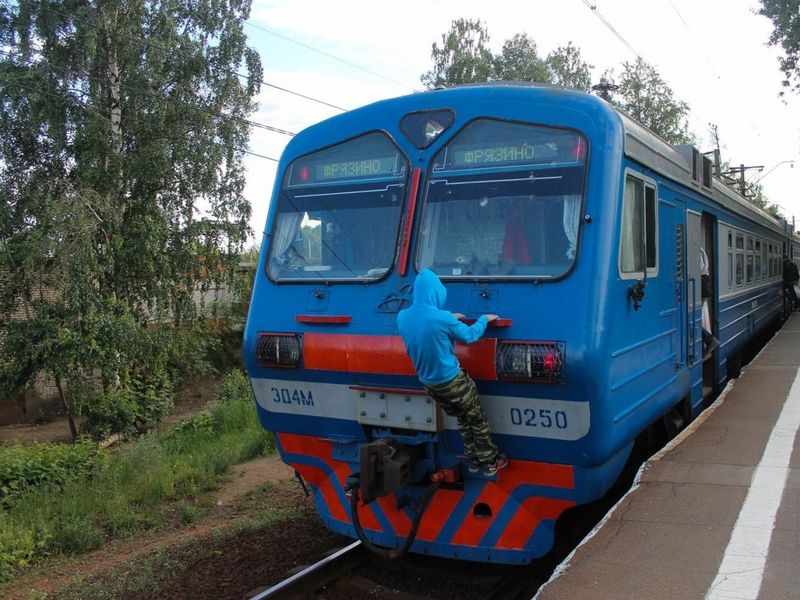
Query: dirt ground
pixel 227 567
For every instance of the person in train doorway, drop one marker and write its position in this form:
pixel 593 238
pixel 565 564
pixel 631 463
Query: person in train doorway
pixel 790 278
pixel 706 291
pixel 429 334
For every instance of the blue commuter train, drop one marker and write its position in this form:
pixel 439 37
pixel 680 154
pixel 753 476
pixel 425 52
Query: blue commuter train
pixel 578 226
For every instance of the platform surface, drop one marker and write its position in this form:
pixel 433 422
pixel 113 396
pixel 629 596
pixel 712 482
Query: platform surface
pixel 717 513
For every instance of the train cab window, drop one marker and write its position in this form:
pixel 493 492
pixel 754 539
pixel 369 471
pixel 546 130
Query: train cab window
pixel 504 200
pixel 339 212
pixel 638 240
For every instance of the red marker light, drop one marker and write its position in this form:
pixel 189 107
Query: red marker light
pixel 304 174
pixel 579 150
pixel 550 362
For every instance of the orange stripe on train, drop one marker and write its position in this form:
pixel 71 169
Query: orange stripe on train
pixel 386 354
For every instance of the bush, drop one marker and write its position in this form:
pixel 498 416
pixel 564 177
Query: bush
pixel 25 468
pixel 75 534
pixel 18 547
pixel 145 400
pixel 51 510
pixel 235 386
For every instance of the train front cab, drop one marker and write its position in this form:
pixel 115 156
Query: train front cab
pixel 577 247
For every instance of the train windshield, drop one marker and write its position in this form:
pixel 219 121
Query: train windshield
pixel 504 200
pixel 339 212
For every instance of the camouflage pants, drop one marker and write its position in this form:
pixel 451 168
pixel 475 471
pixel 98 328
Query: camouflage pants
pixel 459 398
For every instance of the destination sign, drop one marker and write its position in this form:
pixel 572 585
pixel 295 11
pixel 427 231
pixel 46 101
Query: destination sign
pixel 493 155
pixel 320 171
pixel 368 167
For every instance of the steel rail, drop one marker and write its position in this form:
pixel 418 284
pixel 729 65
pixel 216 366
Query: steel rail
pixel 316 575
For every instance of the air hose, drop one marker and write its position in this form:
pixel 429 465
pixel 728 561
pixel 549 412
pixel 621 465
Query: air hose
pixel 390 554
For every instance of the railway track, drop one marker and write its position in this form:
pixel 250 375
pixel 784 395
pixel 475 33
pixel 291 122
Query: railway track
pixel 353 572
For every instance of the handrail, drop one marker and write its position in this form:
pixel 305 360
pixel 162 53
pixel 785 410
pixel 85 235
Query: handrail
pixel 690 355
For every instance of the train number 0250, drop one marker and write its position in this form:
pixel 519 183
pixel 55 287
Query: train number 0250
pixel 544 418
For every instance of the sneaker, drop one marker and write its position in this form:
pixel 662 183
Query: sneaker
pixel 474 466
pixel 491 468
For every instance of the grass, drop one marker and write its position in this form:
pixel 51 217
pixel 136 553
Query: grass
pixel 141 487
pixel 148 574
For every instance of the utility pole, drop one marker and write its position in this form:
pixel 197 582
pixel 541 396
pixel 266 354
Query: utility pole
pixel 740 170
pixel 715 151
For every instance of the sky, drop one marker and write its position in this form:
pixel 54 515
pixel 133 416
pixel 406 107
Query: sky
pixel 348 53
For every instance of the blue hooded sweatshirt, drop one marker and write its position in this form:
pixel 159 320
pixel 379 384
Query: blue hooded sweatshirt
pixel 430 333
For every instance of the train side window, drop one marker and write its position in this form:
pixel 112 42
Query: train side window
pixel 749 259
pixel 638 235
pixel 730 260
pixel 757 261
pixel 739 259
pixel 771 261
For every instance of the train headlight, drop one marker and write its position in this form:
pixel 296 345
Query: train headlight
pixel 540 362
pixel 281 350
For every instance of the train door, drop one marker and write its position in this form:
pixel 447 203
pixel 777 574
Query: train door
pixel 694 345
pixel 709 238
pixel 701 239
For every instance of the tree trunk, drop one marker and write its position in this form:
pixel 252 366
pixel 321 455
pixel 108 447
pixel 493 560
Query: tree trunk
pixel 68 408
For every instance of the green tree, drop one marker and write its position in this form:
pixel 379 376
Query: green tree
pixel 519 61
pixel 785 17
pixel 568 69
pixel 463 56
pixel 122 128
pixel 643 95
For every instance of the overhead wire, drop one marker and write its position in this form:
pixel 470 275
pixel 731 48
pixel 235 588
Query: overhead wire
pixel 327 54
pixel 151 93
pixel 144 42
pixel 617 34
pixel 694 39
pixel 106 112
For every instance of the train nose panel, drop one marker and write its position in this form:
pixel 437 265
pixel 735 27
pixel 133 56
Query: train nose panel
pixel 507 519
pixel 396 408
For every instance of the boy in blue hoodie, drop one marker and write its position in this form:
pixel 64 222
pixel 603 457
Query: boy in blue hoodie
pixel 429 334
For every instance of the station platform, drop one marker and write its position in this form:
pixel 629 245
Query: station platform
pixel 715 514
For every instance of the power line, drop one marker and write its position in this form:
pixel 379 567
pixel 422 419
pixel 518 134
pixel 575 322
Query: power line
pixel 617 34
pixel 142 41
pixel 303 96
pixel 259 155
pixel 105 112
pixel 151 93
pixel 694 39
pixel 269 128
pixel 331 56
